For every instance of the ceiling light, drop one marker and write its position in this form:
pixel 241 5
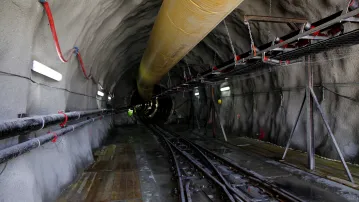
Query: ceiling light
pixel 99 93
pixel 225 88
pixel 46 71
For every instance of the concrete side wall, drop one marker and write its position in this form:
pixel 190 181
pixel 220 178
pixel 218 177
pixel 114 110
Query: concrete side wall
pixel 41 175
pixel 269 101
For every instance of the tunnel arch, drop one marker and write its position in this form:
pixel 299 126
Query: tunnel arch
pixel 157 109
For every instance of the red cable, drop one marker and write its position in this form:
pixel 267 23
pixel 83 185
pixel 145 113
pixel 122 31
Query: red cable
pixel 54 35
pixel 82 65
pixel 55 138
pixel 254 50
pixel 63 124
pixel 56 40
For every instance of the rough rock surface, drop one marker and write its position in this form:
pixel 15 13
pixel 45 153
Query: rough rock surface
pixel 112 37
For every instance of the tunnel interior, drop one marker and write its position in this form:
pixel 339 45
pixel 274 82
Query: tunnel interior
pixel 156 109
pixel 269 86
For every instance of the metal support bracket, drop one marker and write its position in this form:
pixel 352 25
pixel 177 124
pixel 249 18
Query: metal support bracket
pixel 294 127
pixel 331 135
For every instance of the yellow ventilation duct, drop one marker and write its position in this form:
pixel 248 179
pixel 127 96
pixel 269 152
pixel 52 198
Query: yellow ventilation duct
pixel 179 26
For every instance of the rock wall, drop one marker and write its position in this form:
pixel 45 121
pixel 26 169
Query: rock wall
pixel 269 101
pixel 112 36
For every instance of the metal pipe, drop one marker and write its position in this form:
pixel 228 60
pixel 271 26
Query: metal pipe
pixel 295 126
pixel 19 149
pixel 331 135
pixel 10 128
pixel 273 19
pixel 310 120
pixel 180 25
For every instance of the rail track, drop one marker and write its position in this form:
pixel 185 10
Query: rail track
pixel 203 175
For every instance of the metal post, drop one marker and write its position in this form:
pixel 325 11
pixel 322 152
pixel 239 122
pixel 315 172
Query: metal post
pixel 213 116
pixel 220 123
pixel 295 125
pixel 213 123
pixel 216 113
pixel 332 136
pixel 310 121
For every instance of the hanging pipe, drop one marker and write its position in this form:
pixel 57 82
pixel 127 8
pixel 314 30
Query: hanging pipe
pixel 14 127
pixel 74 50
pixel 19 149
pixel 180 25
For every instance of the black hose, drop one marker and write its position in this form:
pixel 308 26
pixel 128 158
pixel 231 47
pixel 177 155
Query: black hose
pixel 19 149
pixel 10 128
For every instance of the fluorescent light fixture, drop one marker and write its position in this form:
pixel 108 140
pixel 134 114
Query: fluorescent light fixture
pixel 196 93
pixel 46 71
pixel 99 93
pixel 109 98
pixel 225 88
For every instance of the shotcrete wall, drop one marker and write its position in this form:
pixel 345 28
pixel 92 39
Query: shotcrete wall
pixel 112 36
pixel 269 101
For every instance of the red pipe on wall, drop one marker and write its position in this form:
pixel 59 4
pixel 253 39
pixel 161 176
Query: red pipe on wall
pixel 82 65
pixel 75 50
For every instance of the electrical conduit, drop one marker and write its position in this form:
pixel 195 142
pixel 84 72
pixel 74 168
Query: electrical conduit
pixel 75 50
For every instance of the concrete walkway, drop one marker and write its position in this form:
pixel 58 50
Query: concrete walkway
pixel 132 168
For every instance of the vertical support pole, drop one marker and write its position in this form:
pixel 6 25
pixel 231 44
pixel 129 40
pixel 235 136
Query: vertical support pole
pixel 219 121
pixel 310 120
pixel 332 136
pixel 213 121
pixel 294 127
pixel 224 132
pixel 213 115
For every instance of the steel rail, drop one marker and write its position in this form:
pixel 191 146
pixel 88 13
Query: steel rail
pixel 196 164
pixel 179 175
pixel 253 176
pixel 241 195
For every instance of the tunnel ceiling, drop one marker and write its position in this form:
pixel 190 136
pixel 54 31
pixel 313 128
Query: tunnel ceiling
pixel 215 48
pixel 112 36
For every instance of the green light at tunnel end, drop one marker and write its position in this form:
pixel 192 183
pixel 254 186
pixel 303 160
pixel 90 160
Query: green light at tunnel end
pixel 130 112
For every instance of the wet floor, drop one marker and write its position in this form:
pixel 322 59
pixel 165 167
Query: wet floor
pixel 132 167
pixel 305 185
